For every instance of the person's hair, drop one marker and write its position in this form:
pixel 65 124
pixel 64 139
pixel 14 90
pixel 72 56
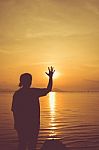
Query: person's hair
pixel 25 79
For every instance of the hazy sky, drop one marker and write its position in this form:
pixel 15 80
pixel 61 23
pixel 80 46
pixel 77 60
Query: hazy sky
pixel 35 34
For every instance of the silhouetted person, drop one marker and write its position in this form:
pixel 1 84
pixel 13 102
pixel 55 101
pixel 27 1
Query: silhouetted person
pixel 26 110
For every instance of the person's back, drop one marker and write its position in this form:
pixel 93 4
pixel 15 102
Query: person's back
pixel 26 110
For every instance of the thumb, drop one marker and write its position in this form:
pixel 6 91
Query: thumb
pixel 46 73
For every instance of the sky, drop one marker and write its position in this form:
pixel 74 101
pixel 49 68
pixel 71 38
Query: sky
pixel 35 34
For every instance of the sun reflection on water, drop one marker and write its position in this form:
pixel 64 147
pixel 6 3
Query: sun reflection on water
pixel 52 124
pixel 52 102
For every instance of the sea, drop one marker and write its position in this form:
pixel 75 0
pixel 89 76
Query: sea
pixel 71 117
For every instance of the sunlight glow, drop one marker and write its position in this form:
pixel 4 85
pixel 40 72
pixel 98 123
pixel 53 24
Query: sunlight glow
pixel 56 75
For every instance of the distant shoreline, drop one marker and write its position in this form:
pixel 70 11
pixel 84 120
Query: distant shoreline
pixel 75 91
pixel 10 91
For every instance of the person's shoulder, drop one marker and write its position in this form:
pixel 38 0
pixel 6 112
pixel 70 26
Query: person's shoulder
pixel 16 92
pixel 34 89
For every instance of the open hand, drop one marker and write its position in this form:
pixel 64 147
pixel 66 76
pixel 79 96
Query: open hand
pixel 51 71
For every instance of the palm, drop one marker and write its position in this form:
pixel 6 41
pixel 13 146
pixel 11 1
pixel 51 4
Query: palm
pixel 51 71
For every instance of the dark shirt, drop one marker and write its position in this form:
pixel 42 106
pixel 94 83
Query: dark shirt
pixel 26 107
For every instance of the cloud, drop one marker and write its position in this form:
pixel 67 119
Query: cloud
pixel 11 51
pixel 92 81
pixel 43 63
pixel 4 51
pixel 6 2
pixel 93 7
pixel 45 35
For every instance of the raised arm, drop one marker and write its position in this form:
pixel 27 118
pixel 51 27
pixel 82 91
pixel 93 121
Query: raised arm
pixel 44 91
pixel 50 74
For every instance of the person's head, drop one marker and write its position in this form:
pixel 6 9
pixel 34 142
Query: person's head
pixel 25 80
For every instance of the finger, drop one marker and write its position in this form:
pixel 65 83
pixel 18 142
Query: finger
pixel 52 68
pixel 46 73
pixel 49 68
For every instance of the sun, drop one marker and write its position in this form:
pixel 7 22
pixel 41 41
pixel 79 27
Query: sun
pixel 56 75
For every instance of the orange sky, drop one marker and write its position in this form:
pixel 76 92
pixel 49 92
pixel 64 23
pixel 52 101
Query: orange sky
pixel 36 34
